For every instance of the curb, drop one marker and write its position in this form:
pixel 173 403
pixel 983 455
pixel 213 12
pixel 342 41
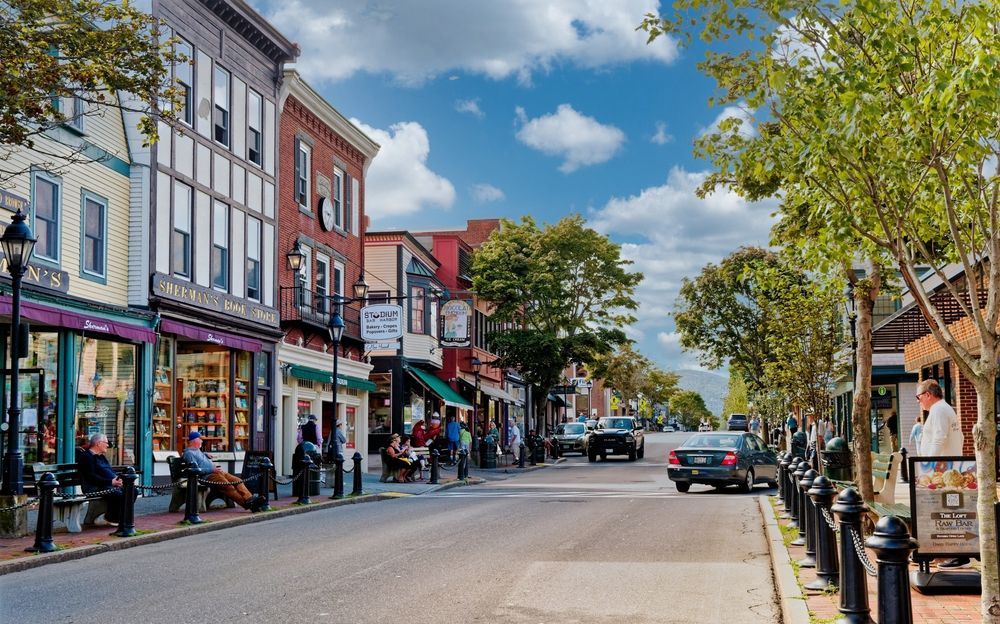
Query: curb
pixel 790 598
pixel 80 552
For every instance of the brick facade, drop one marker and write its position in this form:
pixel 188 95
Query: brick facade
pixel 966 405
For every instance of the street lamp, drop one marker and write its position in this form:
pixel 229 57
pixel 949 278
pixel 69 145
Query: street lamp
pixel 295 257
pixel 336 329
pixel 852 316
pixel 18 244
pixel 477 365
pixel 360 287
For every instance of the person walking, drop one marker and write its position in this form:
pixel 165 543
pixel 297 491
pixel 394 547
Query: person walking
pixel 918 425
pixel 940 435
pixel 755 425
pixel 453 432
pixel 515 439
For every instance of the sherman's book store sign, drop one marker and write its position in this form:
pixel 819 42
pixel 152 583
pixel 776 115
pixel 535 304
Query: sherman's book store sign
pixel 167 287
pixel 945 522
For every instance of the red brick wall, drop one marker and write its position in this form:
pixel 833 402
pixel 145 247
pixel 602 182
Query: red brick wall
pixel 966 405
pixel 327 147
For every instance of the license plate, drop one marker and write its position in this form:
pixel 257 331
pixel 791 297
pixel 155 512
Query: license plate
pixel 701 460
pixel 694 472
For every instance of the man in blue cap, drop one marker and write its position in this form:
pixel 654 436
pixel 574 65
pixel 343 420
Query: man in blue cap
pixel 231 486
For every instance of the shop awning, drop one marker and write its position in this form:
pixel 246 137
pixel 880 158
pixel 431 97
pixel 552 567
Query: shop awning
pixel 496 393
pixel 557 400
pixel 213 336
pixel 440 388
pixel 314 374
pixel 89 323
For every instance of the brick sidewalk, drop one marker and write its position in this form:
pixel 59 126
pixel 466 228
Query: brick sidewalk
pixel 940 609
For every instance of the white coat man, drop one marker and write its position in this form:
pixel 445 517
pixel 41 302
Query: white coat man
pixel 942 432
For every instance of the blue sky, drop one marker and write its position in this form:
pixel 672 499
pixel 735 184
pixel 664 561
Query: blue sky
pixel 501 109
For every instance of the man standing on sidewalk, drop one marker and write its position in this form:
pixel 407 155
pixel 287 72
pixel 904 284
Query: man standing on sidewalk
pixel 941 435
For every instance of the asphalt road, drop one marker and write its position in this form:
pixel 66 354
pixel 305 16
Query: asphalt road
pixel 577 543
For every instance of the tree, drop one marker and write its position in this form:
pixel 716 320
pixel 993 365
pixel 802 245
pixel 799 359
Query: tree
pixel 884 121
pixel 689 408
pixel 633 375
pixel 737 399
pixel 560 294
pixel 61 53
pixel 722 314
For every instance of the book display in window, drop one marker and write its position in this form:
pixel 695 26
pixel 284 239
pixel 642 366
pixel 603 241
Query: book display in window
pixel 241 415
pixel 162 411
pixel 206 410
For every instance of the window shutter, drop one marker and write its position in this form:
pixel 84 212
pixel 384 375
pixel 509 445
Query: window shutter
pixel 348 203
pixel 295 179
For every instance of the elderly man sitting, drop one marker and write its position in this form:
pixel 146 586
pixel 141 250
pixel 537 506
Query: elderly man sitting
pixel 231 486
pixel 97 476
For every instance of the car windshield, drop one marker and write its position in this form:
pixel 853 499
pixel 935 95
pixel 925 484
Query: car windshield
pixel 572 428
pixel 713 441
pixel 615 423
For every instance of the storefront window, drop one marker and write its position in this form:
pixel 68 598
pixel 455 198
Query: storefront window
pixel 163 392
pixel 39 424
pixel 105 401
pixel 241 402
pixel 380 404
pixel 350 427
pixel 202 384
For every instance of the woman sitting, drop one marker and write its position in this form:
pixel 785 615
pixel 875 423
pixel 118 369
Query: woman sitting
pixel 416 461
pixel 399 462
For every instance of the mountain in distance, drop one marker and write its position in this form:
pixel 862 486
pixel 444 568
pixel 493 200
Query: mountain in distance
pixel 711 386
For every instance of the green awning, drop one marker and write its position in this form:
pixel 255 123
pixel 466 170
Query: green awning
pixel 313 374
pixel 440 388
pixel 557 400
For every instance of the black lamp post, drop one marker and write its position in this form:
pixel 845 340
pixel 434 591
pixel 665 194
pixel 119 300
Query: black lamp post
pixel 477 365
pixel 852 317
pixel 336 329
pixel 18 244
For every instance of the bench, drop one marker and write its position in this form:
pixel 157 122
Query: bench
pixel 178 496
pixel 68 510
pixel 885 473
pixel 388 472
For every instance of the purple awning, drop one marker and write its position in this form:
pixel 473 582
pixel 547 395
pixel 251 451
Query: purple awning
pixel 73 320
pixel 213 336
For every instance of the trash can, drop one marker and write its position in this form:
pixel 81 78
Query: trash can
pixel 837 461
pixel 799 440
pixel 314 475
pixel 488 453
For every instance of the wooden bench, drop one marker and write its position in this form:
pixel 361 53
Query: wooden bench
pixel 68 510
pixel 178 496
pixel 885 473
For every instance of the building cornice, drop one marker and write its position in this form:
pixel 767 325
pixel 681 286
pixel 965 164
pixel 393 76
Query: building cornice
pixel 252 26
pixel 298 88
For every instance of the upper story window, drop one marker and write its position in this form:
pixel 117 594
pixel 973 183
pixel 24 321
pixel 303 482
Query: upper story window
pixel 303 163
pixel 182 230
pixel 221 118
pixel 417 324
pixel 305 277
pixel 253 258
pixel 378 296
pixel 322 282
pixel 184 76
pixel 220 246
pixel 75 109
pixel 95 239
pixel 46 202
pixel 338 197
pixel 255 128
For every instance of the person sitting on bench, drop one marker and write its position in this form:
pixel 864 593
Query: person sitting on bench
pixel 97 475
pixel 230 486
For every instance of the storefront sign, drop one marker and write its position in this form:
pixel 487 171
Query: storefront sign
pixel 43 277
pixel 381 322
pixel 12 202
pixel 943 493
pixel 456 321
pixel 582 382
pixel 168 287
pixel 381 346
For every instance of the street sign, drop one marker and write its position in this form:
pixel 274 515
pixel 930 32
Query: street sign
pixel 381 321
pixel 382 346
pixel 563 390
pixel 582 382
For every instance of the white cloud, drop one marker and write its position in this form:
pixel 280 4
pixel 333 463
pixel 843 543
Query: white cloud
pixel 739 112
pixel 418 41
pixel 662 137
pixel 578 139
pixel 399 181
pixel 470 106
pixel 484 193
pixel 671 235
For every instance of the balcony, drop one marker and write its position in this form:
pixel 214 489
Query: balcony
pixel 311 311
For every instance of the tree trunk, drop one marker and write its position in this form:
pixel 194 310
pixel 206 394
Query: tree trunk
pixel 984 440
pixel 864 299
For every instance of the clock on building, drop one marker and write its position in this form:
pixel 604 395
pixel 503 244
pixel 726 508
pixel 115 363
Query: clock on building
pixel 326 213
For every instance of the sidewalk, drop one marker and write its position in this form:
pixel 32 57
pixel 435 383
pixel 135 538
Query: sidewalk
pixel 800 606
pixel 154 523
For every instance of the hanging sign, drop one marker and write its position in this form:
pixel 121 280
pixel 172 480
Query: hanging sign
pixel 381 322
pixel 456 323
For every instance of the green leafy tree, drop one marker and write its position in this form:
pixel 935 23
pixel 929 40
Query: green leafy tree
pixel 99 53
pixel 560 294
pixel 689 408
pixel 633 375
pixel 883 120
pixel 659 385
pixel 737 399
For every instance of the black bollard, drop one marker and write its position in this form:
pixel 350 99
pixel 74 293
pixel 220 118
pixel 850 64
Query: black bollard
pixel 43 525
pixel 520 455
pixel 191 502
pixel 892 545
pixel 463 464
pixel 782 466
pixel 358 490
pixel 904 469
pixel 532 458
pixel 126 523
pixel 264 482
pixel 822 494
pixel 338 475
pixel 482 452
pixel 853 585
pixel 790 499
pixel 807 518
pixel 800 517
pixel 305 468
pixel 434 466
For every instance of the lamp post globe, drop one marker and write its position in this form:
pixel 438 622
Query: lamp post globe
pixel 360 287
pixel 18 244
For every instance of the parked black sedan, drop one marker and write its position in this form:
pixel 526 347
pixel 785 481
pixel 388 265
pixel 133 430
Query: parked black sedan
pixel 722 458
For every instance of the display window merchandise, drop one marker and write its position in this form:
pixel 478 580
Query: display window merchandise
pixel 105 397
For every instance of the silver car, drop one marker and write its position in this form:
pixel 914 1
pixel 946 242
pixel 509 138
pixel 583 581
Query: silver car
pixel 572 437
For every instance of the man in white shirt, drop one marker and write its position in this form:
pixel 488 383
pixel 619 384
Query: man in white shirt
pixel 941 435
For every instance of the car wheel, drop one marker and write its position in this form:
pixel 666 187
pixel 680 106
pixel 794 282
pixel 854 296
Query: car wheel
pixel 747 484
pixel 631 454
pixel 683 486
pixel 591 457
pixel 772 484
pixel 642 450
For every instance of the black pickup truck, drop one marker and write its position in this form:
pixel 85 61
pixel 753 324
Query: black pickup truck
pixel 616 435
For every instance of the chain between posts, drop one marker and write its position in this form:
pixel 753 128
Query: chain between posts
pixel 294 478
pixel 27 503
pixel 237 482
pixel 829 520
pixel 859 548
